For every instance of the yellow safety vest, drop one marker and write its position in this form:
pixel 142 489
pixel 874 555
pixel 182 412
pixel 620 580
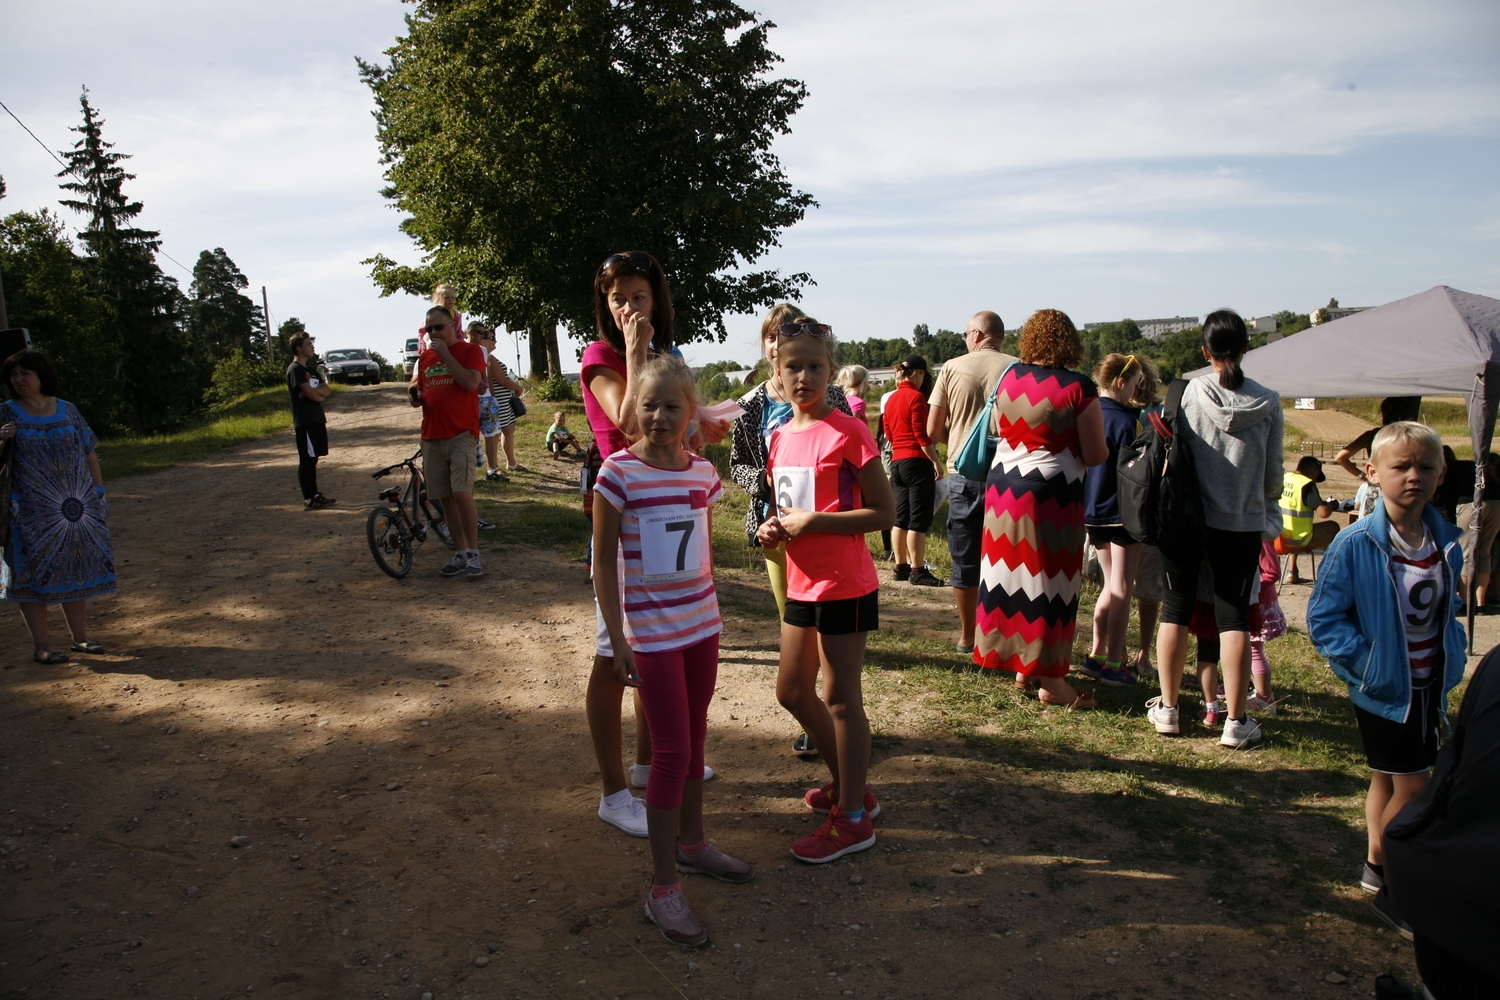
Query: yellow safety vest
pixel 1296 516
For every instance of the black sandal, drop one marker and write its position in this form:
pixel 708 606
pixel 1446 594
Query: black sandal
pixel 86 647
pixel 51 659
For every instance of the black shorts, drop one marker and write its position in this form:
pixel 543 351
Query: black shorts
pixel 1409 747
pixel 1109 534
pixel 855 614
pixel 914 482
pixel 312 441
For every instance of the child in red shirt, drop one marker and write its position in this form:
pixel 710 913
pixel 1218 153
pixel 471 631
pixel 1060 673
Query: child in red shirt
pixel 830 489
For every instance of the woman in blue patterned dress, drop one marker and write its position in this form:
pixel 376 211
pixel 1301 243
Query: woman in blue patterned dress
pixel 57 550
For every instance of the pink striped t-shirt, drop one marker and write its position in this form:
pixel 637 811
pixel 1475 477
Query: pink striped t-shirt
pixel 665 560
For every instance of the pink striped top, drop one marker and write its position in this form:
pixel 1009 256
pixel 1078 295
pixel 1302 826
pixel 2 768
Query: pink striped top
pixel 665 560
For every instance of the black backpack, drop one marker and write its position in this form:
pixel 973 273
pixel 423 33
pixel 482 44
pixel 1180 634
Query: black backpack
pixel 1158 480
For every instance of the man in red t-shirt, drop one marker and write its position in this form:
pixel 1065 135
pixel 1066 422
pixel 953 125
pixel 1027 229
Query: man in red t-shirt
pixel 445 384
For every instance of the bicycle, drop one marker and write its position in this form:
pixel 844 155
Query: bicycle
pixel 396 532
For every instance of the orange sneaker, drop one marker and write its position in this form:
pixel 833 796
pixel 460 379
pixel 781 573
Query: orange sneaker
pixel 838 836
pixel 822 799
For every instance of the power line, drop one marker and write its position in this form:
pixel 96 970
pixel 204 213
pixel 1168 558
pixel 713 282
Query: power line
pixel 69 169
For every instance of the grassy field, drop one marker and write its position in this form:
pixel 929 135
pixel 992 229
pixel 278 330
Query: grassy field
pixel 1282 826
pixel 249 418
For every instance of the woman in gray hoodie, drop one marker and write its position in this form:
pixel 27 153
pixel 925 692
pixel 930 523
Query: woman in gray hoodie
pixel 1234 428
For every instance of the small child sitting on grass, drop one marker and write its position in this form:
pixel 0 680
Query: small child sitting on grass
pixel 1384 613
pixel 559 438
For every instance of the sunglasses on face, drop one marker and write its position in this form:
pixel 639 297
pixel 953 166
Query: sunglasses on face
pixel 636 260
pixel 434 329
pixel 790 330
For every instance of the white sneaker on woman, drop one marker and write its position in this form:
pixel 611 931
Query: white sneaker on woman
pixel 1163 717
pixel 629 817
pixel 1240 735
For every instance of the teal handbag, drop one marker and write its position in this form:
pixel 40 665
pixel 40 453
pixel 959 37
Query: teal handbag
pixel 973 460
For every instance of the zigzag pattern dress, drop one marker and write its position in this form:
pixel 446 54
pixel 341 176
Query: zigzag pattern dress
pixel 1031 562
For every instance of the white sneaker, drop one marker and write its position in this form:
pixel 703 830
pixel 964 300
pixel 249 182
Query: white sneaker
pixel 641 773
pixel 631 817
pixel 1240 735
pixel 1260 706
pixel 1163 717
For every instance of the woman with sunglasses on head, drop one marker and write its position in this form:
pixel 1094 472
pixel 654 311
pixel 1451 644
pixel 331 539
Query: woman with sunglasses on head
pixel 497 419
pixel 633 315
pixel 829 488
pixel 767 407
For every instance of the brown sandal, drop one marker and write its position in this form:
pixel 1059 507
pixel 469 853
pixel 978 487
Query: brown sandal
pixel 1081 700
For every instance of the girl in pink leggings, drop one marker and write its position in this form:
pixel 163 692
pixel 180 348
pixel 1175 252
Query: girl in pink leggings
pixel 653 573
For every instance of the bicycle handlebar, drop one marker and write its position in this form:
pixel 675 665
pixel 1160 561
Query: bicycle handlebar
pixel 409 463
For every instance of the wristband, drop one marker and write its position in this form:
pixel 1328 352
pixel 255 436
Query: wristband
pixel 99 491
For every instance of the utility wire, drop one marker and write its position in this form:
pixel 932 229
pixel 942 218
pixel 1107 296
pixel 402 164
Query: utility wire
pixel 69 169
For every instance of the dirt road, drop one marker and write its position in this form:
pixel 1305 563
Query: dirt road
pixel 293 776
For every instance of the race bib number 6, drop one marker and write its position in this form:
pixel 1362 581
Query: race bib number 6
pixel 794 488
pixel 674 546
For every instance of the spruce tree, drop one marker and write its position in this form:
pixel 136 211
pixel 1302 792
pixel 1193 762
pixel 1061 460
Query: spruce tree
pixel 141 309
pixel 221 318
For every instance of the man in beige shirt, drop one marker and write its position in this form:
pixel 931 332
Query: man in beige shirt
pixel 963 387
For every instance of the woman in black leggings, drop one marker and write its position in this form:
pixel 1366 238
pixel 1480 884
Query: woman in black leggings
pixel 1234 428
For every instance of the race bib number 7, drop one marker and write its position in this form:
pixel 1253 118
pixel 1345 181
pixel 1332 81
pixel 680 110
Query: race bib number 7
pixel 674 546
pixel 794 487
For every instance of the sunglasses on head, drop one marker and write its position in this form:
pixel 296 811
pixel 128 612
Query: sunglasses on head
pixel 790 330
pixel 636 260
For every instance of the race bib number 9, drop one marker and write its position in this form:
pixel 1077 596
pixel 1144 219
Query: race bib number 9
pixel 674 546
pixel 794 488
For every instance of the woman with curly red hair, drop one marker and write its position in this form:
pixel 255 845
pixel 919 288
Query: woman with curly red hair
pixel 1050 430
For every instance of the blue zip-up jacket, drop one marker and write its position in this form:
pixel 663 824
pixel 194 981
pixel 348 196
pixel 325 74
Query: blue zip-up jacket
pixel 1354 615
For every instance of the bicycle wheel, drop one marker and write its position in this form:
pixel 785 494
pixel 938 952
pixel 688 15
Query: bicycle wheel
pixel 441 527
pixel 389 542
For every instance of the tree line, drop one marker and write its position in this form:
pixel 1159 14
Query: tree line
pixel 134 352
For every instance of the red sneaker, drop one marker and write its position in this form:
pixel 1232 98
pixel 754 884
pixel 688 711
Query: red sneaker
pixel 820 800
pixel 835 838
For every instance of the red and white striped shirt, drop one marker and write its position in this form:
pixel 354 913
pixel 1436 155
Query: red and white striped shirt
pixel 665 559
pixel 1419 583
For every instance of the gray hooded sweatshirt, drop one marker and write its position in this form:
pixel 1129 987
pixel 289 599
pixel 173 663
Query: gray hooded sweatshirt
pixel 1236 435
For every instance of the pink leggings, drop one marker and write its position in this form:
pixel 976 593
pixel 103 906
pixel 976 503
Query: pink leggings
pixel 676 689
pixel 1258 662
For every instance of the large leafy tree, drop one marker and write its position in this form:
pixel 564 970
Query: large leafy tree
pixel 525 140
pixel 141 309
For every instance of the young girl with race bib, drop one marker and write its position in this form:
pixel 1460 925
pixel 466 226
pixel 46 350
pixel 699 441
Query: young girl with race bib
pixel 653 573
pixel 828 488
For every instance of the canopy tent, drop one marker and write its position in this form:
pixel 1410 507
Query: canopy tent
pixel 1439 342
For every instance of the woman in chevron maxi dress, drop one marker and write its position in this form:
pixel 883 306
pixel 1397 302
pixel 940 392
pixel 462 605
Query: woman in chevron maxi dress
pixel 1050 429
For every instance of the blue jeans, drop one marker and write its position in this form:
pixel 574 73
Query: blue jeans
pixel 965 529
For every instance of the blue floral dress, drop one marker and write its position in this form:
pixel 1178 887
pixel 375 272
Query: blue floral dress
pixel 58 550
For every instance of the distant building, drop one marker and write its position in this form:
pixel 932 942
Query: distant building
pixel 1155 329
pixel 1328 315
pixel 1262 324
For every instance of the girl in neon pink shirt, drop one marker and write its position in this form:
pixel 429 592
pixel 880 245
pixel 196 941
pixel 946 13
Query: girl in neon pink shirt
pixel 655 580
pixel 829 488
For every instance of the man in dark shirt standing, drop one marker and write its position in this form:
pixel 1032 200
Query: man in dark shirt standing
pixel 311 427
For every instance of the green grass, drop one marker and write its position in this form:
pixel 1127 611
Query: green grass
pixel 249 418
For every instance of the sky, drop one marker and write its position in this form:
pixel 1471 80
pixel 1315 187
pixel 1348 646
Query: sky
pixel 1138 160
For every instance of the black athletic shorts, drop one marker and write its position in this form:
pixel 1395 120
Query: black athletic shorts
pixel 914 483
pixel 312 441
pixel 856 614
pixel 1409 747
pixel 1109 534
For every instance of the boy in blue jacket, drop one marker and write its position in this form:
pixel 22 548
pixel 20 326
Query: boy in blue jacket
pixel 1384 613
